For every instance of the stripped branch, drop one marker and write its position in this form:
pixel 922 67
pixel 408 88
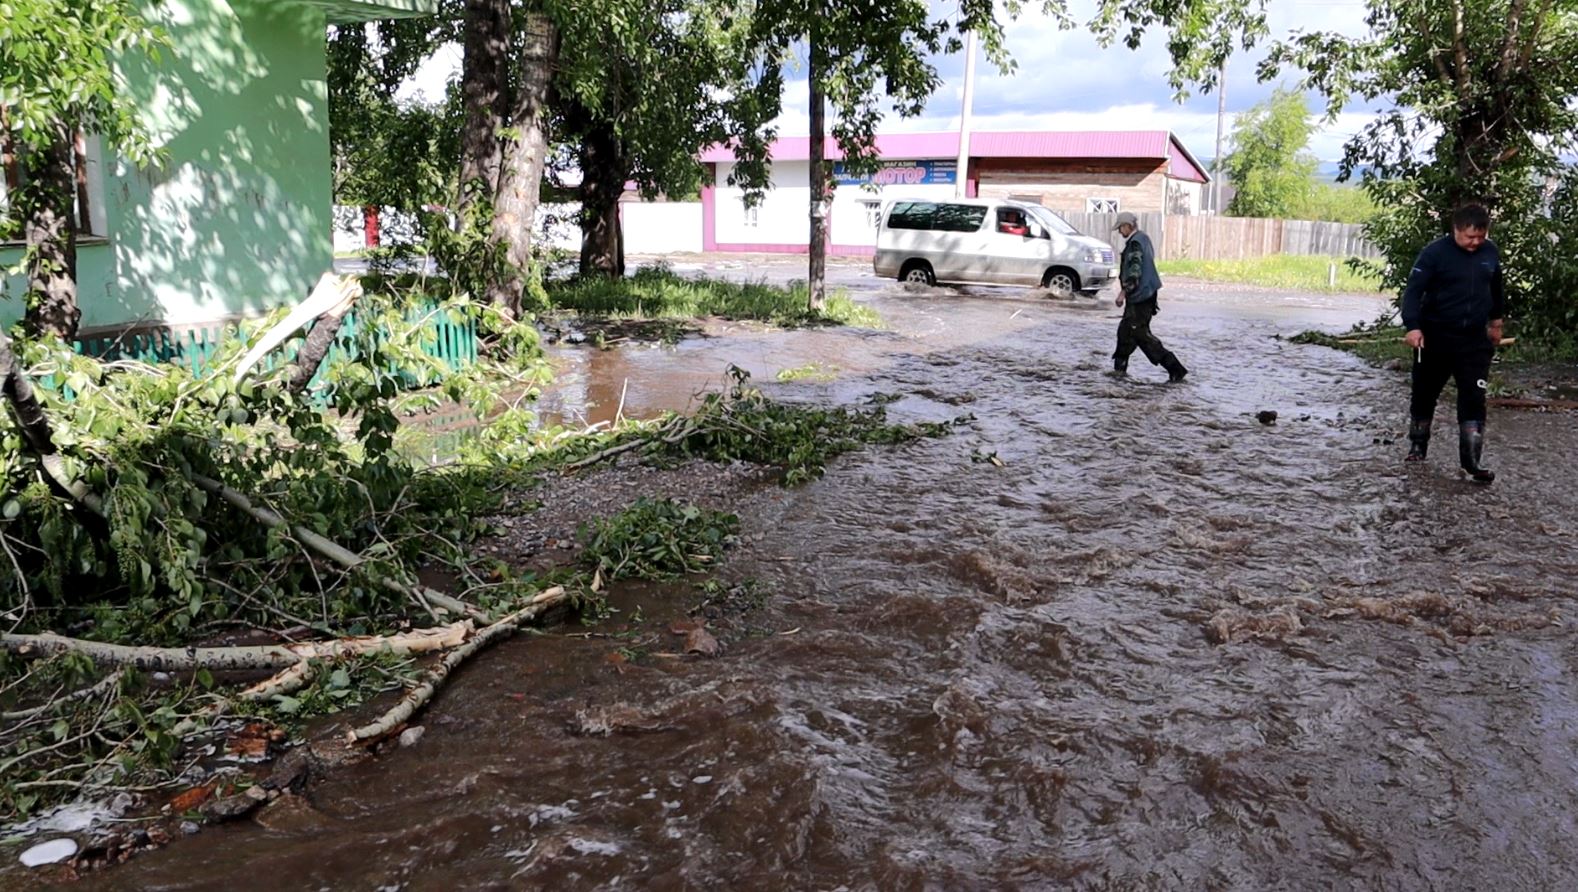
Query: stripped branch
pixel 417 697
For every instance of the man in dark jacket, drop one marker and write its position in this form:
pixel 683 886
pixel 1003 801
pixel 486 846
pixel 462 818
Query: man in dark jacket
pixel 1140 284
pixel 1452 309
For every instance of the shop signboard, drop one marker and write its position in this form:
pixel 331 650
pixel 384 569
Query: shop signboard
pixel 901 173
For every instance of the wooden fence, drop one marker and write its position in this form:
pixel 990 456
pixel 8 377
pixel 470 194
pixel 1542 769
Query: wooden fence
pixel 1179 237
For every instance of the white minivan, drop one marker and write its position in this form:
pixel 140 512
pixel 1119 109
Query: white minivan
pixel 994 241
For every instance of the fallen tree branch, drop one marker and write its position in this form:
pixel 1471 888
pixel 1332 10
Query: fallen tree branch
pixel 335 552
pixel 264 656
pixel 35 428
pixel 674 430
pixel 319 340
pixel 417 697
pixel 98 687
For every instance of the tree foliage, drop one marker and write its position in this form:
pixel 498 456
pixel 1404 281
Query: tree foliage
pixel 1337 203
pixel 1483 105
pixel 57 80
pixel 1268 163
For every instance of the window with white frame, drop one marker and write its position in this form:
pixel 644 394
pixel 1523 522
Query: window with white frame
pixel 1101 205
pixel 752 216
pixel 873 208
pixel 87 174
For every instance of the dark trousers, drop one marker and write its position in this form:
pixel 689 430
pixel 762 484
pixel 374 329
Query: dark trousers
pixel 1463 357
pixel 1135 331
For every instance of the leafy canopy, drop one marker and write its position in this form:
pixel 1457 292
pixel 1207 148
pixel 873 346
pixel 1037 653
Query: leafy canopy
pixel 1269 163
pixel 57 69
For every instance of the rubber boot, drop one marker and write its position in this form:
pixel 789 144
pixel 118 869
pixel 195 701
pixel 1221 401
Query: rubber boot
pixel 1470 444
pixel 1120 368
pixel 1418 439
pixel 1175 370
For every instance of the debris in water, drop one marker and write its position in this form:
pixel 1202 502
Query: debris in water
pixel 1266 416
pixel 1232 624
pixel 53 851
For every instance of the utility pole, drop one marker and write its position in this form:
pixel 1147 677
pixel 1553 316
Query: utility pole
pixel 1216 162
pixel 962 174
pixel 821 194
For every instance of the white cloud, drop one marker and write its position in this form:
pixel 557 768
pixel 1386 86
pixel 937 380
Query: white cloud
pixel 1066 81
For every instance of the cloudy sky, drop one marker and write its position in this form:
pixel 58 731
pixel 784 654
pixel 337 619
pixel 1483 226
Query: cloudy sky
pixel 1066 81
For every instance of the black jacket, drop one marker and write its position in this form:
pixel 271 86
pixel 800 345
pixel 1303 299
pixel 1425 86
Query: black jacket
pixel 1451 289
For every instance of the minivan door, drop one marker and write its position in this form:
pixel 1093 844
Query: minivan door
pixel 1016 248
pixel 958 230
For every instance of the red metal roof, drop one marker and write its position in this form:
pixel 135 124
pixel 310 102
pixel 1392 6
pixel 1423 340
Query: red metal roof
pixel 1157 144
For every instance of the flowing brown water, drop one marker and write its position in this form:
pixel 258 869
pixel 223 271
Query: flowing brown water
pixel 978 677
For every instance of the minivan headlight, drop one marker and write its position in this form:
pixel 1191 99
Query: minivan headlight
pixel 1092 255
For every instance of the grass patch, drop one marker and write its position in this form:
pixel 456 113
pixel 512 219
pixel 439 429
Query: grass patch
pixel 660 293
pixel 811 372
pixel 1293 272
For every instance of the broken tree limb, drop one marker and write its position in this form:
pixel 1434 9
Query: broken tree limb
pixel 316 347
pixel 291 680
pixel 671 432
pixel 335 552
pixel 417 697
pixel 36 431
pixel 328 295
pixel 264 656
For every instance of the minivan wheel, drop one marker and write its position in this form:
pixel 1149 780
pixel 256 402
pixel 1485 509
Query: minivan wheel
pixel 1062 282
pixel 919 272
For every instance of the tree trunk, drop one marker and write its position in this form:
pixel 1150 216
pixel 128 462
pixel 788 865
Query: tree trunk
pixel 604 169
pixel 816 277
pixel 521 167
pixel 50 232
pixel 484 88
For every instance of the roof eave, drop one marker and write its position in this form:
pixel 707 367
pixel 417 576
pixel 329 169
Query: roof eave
pixel 1174 140
pixel 342 12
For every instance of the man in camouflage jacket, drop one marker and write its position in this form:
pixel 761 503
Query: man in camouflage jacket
pixel 1140 284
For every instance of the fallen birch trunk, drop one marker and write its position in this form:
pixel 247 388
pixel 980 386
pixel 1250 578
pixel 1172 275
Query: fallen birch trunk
pixel 263 656
pixel 418 696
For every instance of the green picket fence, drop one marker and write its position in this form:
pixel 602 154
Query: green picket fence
pixel 453 343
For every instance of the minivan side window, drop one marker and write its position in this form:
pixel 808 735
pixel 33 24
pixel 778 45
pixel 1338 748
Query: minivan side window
pixel 931 215
pixel 958 217
pixel 911 215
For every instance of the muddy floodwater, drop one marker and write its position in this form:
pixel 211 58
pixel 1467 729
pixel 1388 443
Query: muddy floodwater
pixel 1156 645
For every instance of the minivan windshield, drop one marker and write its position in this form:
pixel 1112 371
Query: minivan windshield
pixel 1052 221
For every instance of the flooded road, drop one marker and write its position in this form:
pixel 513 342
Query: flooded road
pixel 1162 646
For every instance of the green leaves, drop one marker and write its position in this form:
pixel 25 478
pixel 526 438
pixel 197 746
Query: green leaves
pixel 55 68
pixel 658 539
pixel 1269 164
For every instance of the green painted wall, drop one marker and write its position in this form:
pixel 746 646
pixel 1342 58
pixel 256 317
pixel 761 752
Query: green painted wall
pixel 237 217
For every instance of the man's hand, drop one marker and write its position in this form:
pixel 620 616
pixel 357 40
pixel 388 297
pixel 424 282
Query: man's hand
pixel 1415 339
pixel 1119 301
pixel 1494 331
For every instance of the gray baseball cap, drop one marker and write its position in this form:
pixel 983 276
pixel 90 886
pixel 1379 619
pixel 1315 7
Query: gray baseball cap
pixel 1129 218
